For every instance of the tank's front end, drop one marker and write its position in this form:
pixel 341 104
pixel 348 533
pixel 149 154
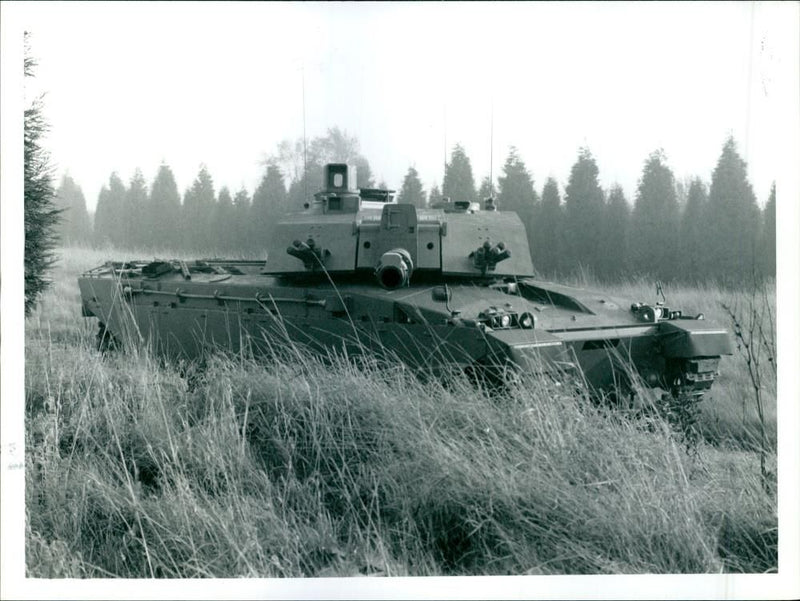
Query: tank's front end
pixel 675 354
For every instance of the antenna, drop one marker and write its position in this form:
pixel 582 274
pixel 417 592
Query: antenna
pixel 305 154
pixel 491 148
pixel 444 176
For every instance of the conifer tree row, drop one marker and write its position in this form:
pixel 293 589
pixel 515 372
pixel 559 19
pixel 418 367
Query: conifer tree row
pixel 671 230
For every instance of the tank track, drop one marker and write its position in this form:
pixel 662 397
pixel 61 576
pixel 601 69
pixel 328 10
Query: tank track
pixel 105 341
pixel 689 379
pixel 691 376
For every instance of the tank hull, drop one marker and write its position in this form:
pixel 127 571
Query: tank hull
pixel 440 325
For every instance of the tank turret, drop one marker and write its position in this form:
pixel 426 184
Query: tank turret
pixel 349 231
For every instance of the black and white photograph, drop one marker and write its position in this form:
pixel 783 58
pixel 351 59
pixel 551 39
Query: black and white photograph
pixel 364 300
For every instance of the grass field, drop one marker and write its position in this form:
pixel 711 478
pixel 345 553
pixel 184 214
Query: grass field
pixel 299 468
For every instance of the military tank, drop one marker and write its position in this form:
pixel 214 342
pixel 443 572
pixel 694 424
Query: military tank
pixel 451 287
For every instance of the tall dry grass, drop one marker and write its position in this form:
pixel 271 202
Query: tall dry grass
pixel 302 467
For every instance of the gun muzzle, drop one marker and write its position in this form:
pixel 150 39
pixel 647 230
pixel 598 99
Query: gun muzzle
pixel 394 268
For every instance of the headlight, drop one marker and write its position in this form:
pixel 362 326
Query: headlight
pixel 500 321
pixel 651 314
pixel 527 320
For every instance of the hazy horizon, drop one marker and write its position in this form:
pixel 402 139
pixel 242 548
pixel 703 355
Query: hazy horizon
pixel 131 86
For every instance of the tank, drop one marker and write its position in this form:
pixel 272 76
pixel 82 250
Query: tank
pixel 447 288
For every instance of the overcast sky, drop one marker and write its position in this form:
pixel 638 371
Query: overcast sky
pixel 131 85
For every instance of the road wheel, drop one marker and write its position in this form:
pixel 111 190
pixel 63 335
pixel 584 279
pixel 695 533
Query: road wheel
pixel 106 341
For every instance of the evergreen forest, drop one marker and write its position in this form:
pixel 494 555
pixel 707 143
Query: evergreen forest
pixel 674 229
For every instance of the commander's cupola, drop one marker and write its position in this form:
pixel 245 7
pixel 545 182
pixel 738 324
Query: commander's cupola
pixel 339 193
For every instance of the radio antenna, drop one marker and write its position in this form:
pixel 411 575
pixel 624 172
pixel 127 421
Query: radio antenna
pixel 305 152
pixel 444 176
pixel 491 148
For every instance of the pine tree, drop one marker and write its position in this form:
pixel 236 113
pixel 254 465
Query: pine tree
pixel 693 234
pixel 768 237
pixel 102 218
pixel 164 213
pixel 516 193
pixel 270 201
pixel 206 200
pixel 134 231
pixel 550 231
pixel 733 211
pixel 655 221
pixel 615 257
pixel 584 209
pixel 224 222
pixel 198 212
pixel 682 192
pixel 411 192
pixel 108 222
pixel 41 213
pixel 459 185
pixel 75 226
pixel 188 219
pixel 241 215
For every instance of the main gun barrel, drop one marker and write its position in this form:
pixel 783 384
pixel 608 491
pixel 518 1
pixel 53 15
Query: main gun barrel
pixel 394 268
